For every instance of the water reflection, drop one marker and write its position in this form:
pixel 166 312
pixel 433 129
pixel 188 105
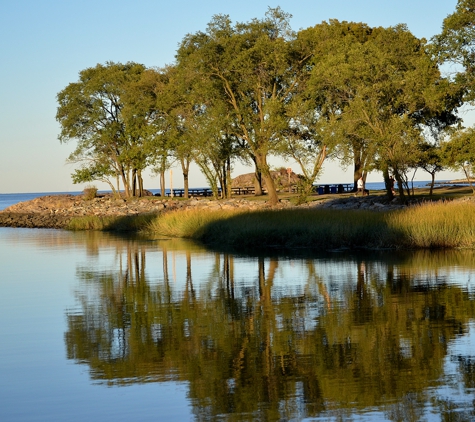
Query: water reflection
pixel 281 337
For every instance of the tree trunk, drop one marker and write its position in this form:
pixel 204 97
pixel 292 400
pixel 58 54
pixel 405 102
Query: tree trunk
pixel 387 183
pixel 228 179
pixel 223 182
pixel 140 181
pixel 185 184
pixel 357 173
pixel 257 177
pixel 162 183
pixel 258 191
pixel 360 158
pixel 400 186
pixel 469 179
pixel 432 183
pixel 125 181
pixel 185 166
pixel 134 182
pixel 265 172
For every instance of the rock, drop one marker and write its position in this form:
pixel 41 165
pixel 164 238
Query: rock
pixel 280 177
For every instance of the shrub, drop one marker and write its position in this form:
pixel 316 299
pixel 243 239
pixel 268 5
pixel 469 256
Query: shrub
pixel 89 192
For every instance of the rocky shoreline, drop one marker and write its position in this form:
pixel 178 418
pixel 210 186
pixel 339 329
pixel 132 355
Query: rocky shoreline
pixel 56 211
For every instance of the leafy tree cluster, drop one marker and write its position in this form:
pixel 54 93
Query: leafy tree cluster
pixel 373 98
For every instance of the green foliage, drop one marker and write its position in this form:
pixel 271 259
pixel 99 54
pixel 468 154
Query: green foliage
pixel 109 130
pixel 252 72
pixel 367 96
pixel 377 88
pixel 430 160
pixel 459 153
pixel 456 44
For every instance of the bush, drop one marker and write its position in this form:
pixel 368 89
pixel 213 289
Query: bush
pixel 89 192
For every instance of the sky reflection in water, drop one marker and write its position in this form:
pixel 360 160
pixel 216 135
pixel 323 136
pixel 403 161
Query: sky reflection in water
pixel 99 327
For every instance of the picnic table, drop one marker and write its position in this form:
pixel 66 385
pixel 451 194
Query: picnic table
pixel 334 188
pixel 247 190
pixel 191 192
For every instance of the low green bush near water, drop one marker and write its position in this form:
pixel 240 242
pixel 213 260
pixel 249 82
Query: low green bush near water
pixel 431 225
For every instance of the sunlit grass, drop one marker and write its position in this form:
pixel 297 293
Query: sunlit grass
pixel 187 223
pixel 436 225
pixel 431 225
pixel 111 223
pixel 284 228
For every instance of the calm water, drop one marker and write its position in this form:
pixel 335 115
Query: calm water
pixel 96 327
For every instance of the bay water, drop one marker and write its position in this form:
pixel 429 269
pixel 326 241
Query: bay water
pixel 99 327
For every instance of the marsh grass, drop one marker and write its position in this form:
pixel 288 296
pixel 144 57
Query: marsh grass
pixel 436 225
pixel 277 229
pixel 111 223
pixel 190 224
pixel 431 225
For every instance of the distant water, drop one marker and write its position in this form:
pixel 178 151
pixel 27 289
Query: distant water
pixel 8 199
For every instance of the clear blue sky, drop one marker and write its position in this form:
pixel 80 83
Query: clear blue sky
pixel 45 43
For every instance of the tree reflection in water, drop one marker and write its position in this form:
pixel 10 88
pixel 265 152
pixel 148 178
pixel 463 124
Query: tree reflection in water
pixel 277 338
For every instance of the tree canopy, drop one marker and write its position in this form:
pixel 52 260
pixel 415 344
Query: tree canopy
pixel 253 70
pixel 366 96
pixel 109 140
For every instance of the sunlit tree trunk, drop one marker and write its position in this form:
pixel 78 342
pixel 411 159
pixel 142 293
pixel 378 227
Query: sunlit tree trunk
pixel 185 167
pixel 262 165
pixel 162 182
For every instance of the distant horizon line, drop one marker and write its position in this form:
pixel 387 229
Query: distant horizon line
pixel 201 187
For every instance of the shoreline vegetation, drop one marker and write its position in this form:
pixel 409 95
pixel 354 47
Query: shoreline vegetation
pixel 442 224
pixel 332 222
pixel 425 226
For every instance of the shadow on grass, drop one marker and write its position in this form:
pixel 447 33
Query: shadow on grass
pixel 302 229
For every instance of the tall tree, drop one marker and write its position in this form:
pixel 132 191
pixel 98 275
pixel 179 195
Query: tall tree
pixel 305 142
pixel 380 87
pixel 334 72
pixel 252 69
pixel 91 112
pixel 430 160
pixel 459 153
pixel 146 123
